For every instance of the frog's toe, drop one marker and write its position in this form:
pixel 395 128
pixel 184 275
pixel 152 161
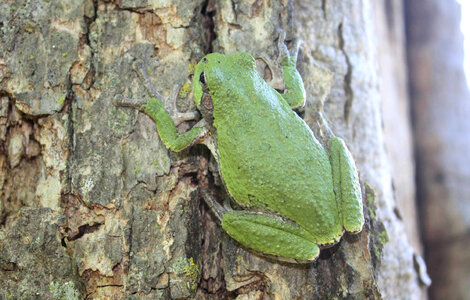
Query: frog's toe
pixel 295 46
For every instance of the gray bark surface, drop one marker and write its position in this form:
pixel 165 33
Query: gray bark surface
pixel 94 206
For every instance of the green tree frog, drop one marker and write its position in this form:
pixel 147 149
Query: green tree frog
pixel 296 197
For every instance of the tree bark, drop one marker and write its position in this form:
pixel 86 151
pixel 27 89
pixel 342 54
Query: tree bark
pixel 94 206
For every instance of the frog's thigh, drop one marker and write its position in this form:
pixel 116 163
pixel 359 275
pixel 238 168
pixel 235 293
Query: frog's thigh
pixel 270 234
pixel 346 184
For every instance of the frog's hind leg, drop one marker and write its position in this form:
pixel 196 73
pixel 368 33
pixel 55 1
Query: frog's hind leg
pixel 268 234
pixel 347 187
pixel 272 235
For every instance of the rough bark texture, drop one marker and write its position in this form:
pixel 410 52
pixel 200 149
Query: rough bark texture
pixel 441 106
pixel 393 87
pixel 94 206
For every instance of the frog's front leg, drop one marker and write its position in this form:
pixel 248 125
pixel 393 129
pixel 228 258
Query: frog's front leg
pixel 139 68
pixel 167 130
pixel 165 124
pixel 164 121
pixel 265 233
pixel 346 185
pixel 294 92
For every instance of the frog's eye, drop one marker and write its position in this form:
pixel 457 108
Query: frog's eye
pixel 202 78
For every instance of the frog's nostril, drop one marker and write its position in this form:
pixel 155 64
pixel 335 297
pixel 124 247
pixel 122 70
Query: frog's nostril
pixel 204 60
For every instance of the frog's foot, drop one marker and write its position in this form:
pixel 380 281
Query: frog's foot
pixel 276 81
pixel 170 106
pixel 218 210
pixel 346 185
pixel 284 52
pixel 323 131
pixel 139 68
pixel 179 117
pixel 271 235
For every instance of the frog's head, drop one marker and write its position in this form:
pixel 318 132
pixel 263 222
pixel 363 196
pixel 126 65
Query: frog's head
pixel 216 70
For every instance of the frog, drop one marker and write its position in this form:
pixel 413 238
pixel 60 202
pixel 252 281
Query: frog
pixel 293 196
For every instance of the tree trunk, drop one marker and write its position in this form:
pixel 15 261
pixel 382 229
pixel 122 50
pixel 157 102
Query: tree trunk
pixel 94 206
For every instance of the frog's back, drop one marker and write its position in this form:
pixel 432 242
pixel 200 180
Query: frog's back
pixel 270 159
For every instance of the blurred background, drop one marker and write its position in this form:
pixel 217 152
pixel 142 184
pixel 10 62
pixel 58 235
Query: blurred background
pixel 437 34
pixel 465 28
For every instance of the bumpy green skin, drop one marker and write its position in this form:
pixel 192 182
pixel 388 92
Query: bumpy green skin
pixel 295 93
pixel 347 185
pixel 272 234
pixel 295 198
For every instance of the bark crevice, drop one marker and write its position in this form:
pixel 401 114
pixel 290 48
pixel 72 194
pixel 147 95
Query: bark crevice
pixel 348 91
